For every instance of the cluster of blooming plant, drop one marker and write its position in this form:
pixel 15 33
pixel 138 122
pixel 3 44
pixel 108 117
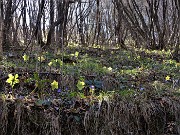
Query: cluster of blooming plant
pixel 14 79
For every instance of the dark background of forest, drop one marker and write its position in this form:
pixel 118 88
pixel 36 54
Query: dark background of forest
pixel 52 24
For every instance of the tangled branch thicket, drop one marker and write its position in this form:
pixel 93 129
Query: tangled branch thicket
pixel 56 24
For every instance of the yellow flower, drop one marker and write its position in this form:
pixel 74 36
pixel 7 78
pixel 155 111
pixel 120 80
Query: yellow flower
pixel 41 58
pixel 54 85
pixel 109 68
pixel 167 78
pixel 76 54
pixel 12 80
pixel 50 64
pixel 138 57
pixel 177 65
pixel 25 57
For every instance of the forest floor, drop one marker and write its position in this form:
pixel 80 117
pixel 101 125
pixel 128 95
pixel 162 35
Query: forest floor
pixel 93 90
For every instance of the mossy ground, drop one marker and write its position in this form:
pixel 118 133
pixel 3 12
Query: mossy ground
pixel 137 92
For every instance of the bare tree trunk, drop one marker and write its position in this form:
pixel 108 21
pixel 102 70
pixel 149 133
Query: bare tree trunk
pixel 14 31
pixel 6 26
pixel 62 22
pixel 120 28
pixel 24 22
pixel 176 54
pixel 154 22
pixel 81 32
pixel 1 24
pixel 98 26
pixel 38 32
pixel 51 34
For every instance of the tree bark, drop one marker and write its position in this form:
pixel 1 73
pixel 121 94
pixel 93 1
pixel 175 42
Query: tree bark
pixel 81 31
pixel 24 22
pixel 38 32
pixel 1 24
pixel 50 36
pixel 6 27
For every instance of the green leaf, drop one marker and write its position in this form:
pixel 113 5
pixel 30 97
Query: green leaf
pixel 59 61
pixel 126 93
pixel 77 118
pixel 81 95
pixel 39 102
pixel 80 85
pixel 89 82
pixel 47 102
pixel 98 82
pixel 36 76
pixel 73 94
pixel 98 86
